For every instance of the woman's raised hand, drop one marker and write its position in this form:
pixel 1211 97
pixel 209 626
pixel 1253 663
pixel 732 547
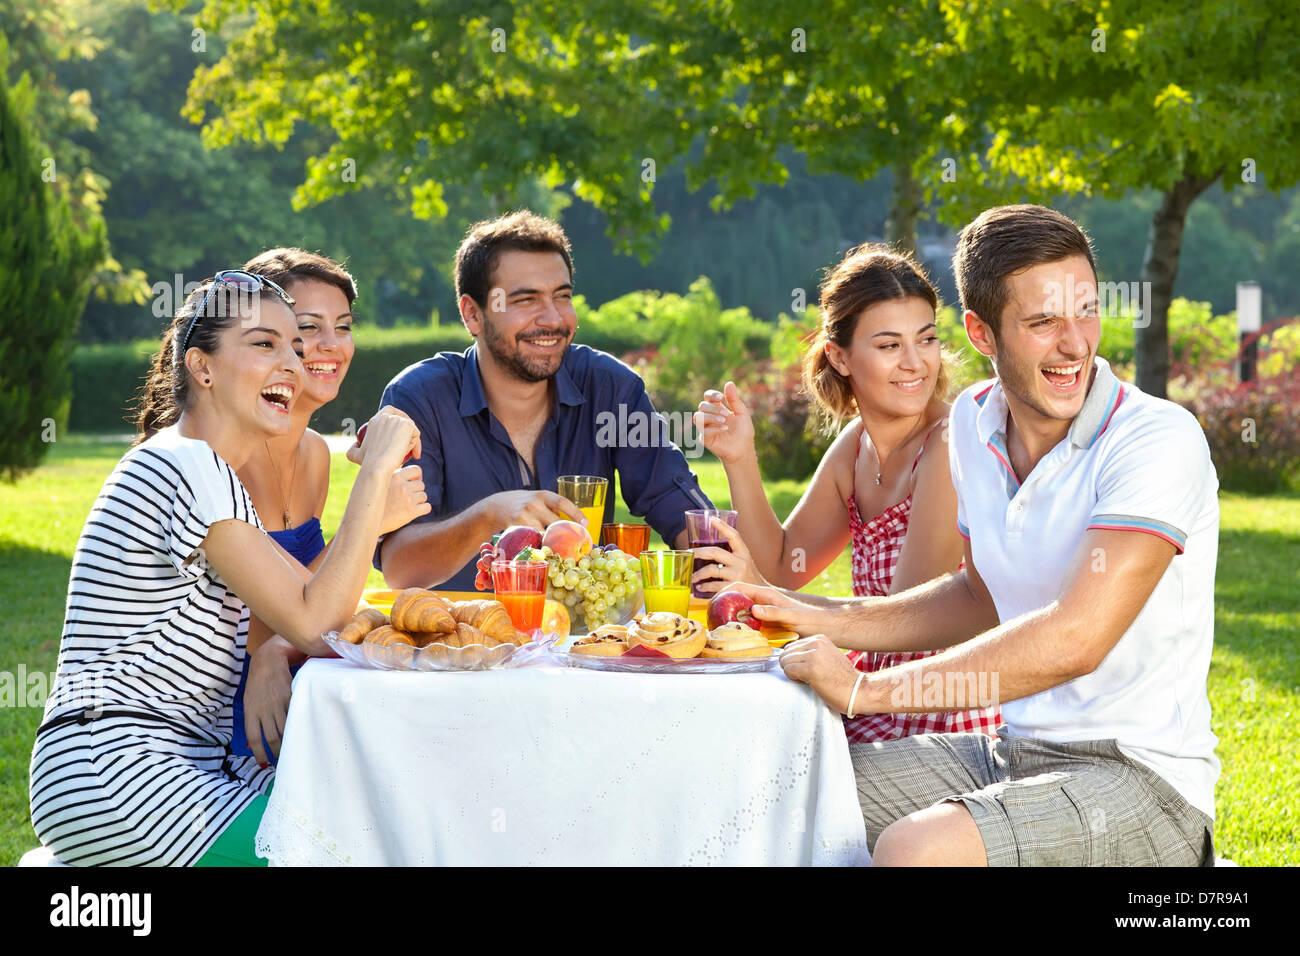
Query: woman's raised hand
pixel 406 499
pixel 725 424
pixel 727 567
pixel 388 439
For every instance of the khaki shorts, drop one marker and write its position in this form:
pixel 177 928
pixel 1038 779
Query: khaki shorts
pixel 1036 803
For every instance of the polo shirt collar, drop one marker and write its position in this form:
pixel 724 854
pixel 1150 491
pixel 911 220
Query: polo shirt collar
pixel 474 400
pixel 1103 398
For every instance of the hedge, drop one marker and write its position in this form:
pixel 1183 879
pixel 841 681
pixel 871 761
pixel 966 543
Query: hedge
pixel 106 378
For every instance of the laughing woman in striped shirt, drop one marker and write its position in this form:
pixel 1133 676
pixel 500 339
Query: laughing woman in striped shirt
pixel 132 764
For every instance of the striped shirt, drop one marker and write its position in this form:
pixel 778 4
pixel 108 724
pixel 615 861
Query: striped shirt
pixel 133 765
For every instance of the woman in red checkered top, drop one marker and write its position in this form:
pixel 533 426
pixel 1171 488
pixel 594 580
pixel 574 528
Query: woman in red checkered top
pixel 884 484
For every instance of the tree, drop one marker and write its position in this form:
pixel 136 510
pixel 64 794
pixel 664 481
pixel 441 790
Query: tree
pixel 605 100
pixel 46 261
pixel 1140 95
pixel 1036 100
pixel 45 37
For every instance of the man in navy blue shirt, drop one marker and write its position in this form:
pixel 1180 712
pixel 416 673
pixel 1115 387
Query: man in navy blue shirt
pixel 500 422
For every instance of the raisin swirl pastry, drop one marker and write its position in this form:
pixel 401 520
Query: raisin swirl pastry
pixel 736 640
pixel 608 640
pixel 671 634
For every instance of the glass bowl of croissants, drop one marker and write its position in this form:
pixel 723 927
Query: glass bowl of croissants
pixel 426 631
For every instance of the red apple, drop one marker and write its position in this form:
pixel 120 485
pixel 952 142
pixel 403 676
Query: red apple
pixel 517 537
pixel 731 606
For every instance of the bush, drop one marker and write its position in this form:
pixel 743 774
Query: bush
pixel 786 434
pixel 689 343
pixel 46 261
pixel 1253 432
pixel 107 377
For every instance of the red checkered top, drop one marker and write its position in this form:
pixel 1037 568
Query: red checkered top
pixel 876 546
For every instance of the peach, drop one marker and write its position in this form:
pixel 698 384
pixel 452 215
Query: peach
pixel 555 620
pixel 567 539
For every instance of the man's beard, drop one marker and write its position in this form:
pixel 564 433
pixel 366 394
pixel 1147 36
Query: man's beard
pixel 506 354
pixel 1018 381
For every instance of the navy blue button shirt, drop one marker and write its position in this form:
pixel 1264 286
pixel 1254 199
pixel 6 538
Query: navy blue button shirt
pixel 467 453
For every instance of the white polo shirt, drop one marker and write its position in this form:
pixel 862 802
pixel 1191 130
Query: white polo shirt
pixel 1129 462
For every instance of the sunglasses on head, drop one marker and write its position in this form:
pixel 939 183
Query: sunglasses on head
pixel 247 283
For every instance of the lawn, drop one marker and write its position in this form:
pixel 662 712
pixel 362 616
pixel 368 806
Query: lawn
pixel 1254 677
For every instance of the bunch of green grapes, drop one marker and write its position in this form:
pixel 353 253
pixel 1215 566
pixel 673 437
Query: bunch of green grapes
pixel 604 587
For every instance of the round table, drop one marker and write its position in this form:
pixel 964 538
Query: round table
pixel 554 765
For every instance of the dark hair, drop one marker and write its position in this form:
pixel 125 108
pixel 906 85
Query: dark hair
pixel 867 275
pixel 1001 242
pixel 286 265
pixel 486 240
pixel 166 391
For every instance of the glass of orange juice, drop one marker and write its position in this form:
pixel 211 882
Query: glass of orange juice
pixel 667 580
pixel 588 493
pixel 521 587
pixel 628 538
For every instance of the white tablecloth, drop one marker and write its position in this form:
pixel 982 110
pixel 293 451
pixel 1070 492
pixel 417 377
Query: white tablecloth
pixel 559 766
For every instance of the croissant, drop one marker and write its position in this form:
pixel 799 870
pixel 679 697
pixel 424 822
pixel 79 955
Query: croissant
pixel 416 610
pixel 490 617
pixel 362 624
pixel 400 646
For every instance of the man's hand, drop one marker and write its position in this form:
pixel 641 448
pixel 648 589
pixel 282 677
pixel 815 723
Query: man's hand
pixel 821 665
pixel 266 697
pixel 532 509
pixel 772 606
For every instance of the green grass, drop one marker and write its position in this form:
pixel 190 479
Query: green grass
pixel 1254 678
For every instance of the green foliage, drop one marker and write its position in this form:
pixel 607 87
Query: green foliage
pixel 966 365
pixel 178 208
pixel 694 341
pixel 45 265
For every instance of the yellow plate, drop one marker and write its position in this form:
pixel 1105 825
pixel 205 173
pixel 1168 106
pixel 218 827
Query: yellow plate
pixel 382 598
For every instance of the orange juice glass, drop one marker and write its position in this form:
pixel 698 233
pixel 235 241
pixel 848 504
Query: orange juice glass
pixel 628 538
pixel 588 493
pixel 521 587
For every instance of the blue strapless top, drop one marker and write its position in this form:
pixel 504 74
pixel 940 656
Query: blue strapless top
pixel 304 543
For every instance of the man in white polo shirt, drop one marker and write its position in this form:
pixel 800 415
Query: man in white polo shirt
pixel 1085 607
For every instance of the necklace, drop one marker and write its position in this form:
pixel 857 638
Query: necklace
pixel 284 498
pixel 880 464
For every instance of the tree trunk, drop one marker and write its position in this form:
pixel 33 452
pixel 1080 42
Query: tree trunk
pixel 1159 269
pixel 904 207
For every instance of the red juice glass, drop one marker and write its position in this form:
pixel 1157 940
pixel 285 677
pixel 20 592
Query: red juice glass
pixel 702 534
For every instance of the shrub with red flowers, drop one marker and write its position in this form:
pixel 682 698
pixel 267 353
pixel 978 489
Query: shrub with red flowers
pixel 1253 428
pixel 786 436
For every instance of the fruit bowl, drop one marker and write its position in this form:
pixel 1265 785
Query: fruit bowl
pixel 603 587
pixel 596 585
